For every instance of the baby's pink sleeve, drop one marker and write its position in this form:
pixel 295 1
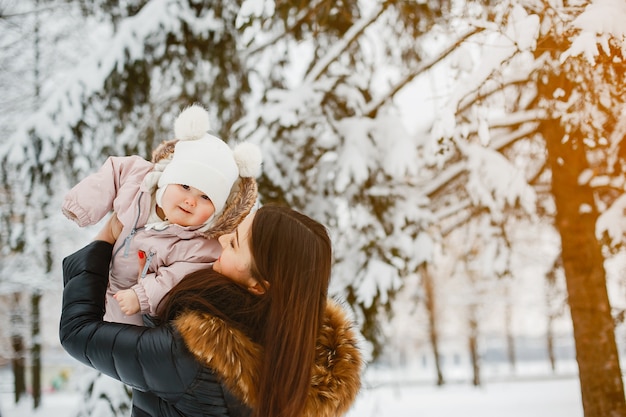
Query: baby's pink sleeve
pixel 92 198
pixel 153 287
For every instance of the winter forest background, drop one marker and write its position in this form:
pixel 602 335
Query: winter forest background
pixel 466 156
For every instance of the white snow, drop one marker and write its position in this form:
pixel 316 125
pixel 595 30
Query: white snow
pixel 537 397
pixel 600 20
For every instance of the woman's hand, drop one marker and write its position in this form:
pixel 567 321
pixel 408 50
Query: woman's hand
pixel 111 230
pixel 128 301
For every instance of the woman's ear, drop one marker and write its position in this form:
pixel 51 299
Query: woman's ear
pixel 256 288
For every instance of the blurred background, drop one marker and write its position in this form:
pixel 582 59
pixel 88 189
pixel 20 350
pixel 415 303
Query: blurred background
pixel 466 157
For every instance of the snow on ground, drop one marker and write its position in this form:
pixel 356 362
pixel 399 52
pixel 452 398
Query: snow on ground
pixel 557 396
pixel 528 398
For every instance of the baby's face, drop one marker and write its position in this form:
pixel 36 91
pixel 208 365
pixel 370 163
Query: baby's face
pixel 186 206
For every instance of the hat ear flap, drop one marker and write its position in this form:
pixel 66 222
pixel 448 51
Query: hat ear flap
pixel 165 150
pixel 192 123
pixel 248 159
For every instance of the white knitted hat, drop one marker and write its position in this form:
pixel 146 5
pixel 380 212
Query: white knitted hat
pixel 206 162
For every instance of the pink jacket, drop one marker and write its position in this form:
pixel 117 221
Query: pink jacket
pixel 172 253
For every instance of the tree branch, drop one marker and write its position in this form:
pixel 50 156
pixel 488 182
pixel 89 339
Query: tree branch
pixel 482 94
pixel 351 35
pixel 375 105
pixel 299 20
pixel 497 144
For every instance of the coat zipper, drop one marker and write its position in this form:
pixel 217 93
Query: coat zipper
pixel 144 271
pixel 134 230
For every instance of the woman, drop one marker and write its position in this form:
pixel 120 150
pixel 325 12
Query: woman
pixel 255 335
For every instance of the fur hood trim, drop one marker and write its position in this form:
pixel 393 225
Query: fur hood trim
pixel 240 202
pixel 336 378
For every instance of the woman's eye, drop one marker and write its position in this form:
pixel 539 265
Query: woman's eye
pixel 232 243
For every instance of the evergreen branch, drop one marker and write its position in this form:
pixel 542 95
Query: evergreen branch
pixel 7 16
pixel 299 21
pixel 351 35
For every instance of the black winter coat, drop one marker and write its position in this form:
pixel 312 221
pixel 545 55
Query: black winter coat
pixel 167 380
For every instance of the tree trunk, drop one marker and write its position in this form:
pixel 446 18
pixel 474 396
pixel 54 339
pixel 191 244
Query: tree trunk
pixel 551 292
pixel 19 368
pixel 510 337
pixel 17 342
pixel 596 351
pixel 36 349
pixel 429 290
pixel 550 344
pixel 473 346
pixel 36 295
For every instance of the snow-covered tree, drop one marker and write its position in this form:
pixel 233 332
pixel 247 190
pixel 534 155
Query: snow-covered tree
pixel 542 61
pixel 121 99
pixel 584 101
pixel 146 62
pixel 520 83
pixel 333 148
pixel 28 64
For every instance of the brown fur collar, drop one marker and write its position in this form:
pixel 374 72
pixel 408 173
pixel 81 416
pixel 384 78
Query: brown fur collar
pixel 241 200
pixel 337 370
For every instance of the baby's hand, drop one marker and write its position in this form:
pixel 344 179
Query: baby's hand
pixel 128 301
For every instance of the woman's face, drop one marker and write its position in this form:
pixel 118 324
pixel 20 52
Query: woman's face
pixel 236 257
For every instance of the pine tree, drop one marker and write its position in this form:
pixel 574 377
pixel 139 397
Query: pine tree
pixel 331 147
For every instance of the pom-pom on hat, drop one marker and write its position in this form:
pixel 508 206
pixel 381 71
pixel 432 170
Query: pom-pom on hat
pixel 206 162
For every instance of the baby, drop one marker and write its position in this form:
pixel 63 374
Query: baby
pixel 172 210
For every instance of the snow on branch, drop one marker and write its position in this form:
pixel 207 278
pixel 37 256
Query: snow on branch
pixel 495 183
pixel 506 187
pixel 502 141
pixel 498 47
pixel 375 105
pixel 304 15
pixel 377 278
pixel 612 223
pixel 601 21
pixel 451 210
pixel 497 143
pixel 54 122
pixel 487 90
pixel 351 35
pixel 444 178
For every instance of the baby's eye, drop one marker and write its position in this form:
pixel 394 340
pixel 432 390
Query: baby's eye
pixel 186 187
pixel 206 197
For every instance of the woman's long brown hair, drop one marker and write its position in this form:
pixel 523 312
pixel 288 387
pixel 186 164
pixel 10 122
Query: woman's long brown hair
pixel 293 253
pixel 210 292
